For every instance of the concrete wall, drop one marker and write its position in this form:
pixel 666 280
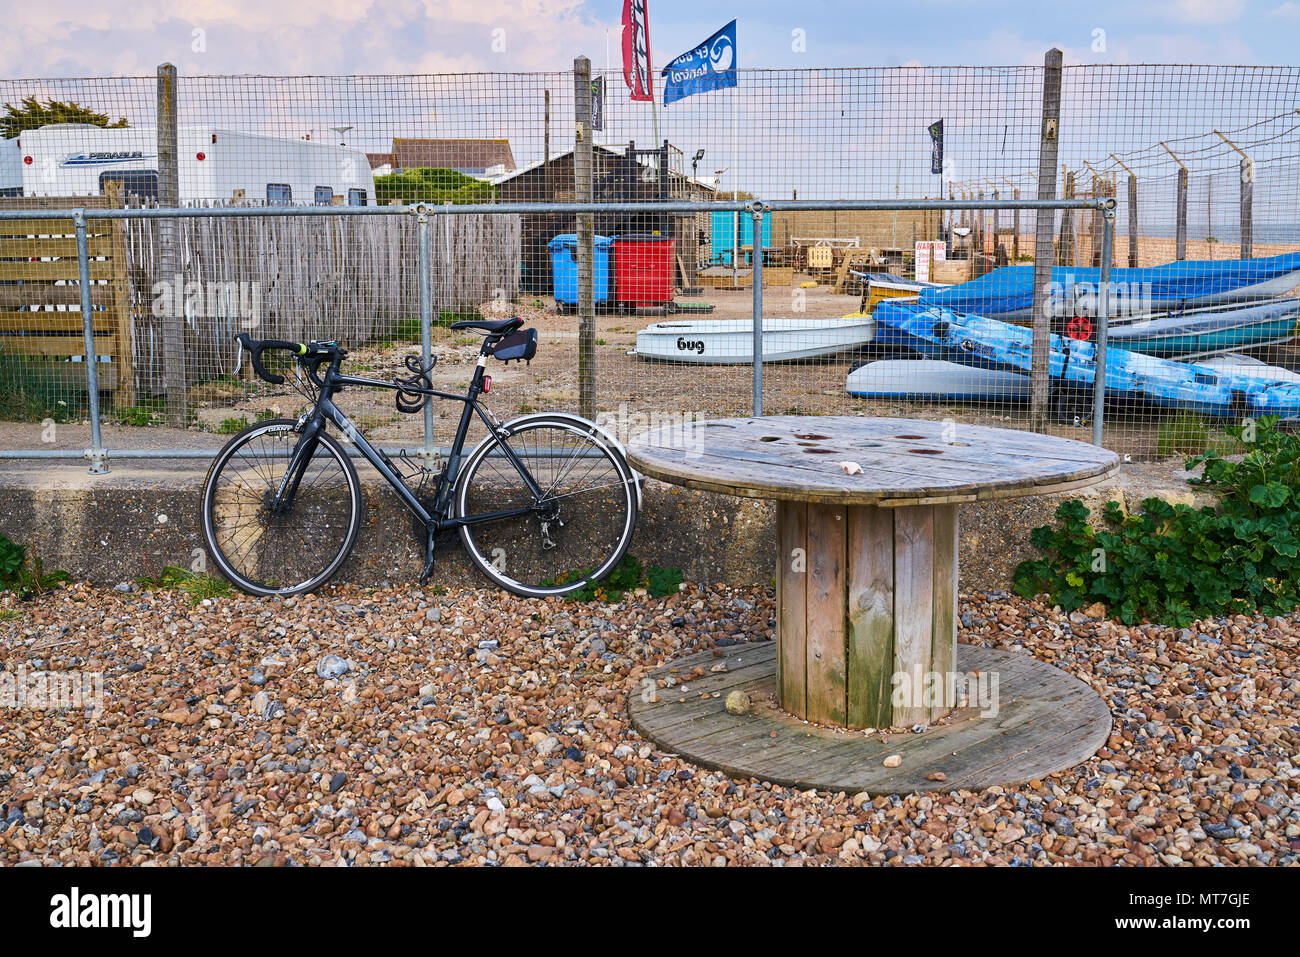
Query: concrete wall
pixel 139 519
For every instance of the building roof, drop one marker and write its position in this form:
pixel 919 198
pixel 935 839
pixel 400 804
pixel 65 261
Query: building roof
pixel 466 155
pixel 537 164
pixel 379 159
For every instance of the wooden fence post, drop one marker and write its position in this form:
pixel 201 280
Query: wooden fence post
pixel 174 373
pixel 582 187
pixel 1048 140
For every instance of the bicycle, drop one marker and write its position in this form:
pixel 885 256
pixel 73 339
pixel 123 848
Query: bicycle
pixel 544 505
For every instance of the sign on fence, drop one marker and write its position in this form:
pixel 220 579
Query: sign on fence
pixel 927 253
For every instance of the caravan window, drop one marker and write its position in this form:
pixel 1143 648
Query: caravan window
pixel 324 196
pixel 356 197
pixel 278 194
pixel 138 183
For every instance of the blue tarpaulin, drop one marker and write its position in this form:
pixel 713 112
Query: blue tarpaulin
pixel 1009 291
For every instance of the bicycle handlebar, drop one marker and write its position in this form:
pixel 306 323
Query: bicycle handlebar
pixel 256 347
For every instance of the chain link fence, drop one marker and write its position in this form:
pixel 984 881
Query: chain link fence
pixel 917 309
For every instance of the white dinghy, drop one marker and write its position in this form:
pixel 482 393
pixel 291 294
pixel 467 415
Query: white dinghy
pixel 731 341
pixel 936 380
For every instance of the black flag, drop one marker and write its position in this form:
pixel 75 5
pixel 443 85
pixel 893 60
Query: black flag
pixel 936 147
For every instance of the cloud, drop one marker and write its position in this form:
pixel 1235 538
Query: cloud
pixel 1205 11
pixel 321 36
pixel 1286 11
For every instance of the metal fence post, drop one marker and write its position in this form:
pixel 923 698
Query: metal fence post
pixel 756 273
pixel 174 377
pixel 429 450
pixel 582 186
pixel 1103 323
pixel 1049 137
pixel 98 462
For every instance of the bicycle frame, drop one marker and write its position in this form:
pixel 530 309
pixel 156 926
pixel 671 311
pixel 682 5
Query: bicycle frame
pixel 325 410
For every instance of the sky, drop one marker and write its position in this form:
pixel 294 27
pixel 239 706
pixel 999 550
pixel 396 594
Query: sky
pixel 71 38
pixel 808 128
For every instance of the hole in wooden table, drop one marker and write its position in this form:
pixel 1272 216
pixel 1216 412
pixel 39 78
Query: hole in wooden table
pixel 820 451
pixel 926 451
pixel 770 438
pixel 909 436
pixel 813 436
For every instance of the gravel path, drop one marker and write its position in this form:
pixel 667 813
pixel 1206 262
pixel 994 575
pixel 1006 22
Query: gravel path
pixel 428 728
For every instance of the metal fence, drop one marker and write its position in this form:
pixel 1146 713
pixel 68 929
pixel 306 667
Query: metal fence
pixel 880 287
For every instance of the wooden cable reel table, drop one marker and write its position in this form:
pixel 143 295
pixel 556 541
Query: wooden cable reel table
pixel 866 583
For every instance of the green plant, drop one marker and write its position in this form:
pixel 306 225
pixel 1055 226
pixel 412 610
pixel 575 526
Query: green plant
pixel 408 329
pixel 627 576
pixel 24 574
pixel 237 423
pixel 1188 433
pixel 1174 563
pixel 425 184
pixel 10 614
pixel 33 389
pixel 196 585
pixel 32 114
pixel 139 415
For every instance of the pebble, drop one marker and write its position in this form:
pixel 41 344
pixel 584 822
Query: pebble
pixel 331 666
pixel 737 702
pixel 530 757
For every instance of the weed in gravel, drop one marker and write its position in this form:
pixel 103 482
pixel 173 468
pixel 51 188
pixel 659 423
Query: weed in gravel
pixel 24 574
pixel 197 586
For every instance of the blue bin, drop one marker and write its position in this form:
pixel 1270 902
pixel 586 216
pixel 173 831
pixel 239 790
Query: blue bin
pixel 564 269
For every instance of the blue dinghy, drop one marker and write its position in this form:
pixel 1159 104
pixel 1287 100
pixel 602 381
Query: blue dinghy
pixel 990 344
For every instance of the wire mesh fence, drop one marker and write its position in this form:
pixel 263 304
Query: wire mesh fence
pixel 922 311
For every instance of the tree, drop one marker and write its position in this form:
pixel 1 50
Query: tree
pixel 32 115
pixel 432 186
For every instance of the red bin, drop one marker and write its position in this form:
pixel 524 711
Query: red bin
pixel 643 270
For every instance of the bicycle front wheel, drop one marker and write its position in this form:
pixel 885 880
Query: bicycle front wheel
pixel 578 522
pixel 284 550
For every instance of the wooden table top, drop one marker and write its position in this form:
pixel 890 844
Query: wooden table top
pixel 903 461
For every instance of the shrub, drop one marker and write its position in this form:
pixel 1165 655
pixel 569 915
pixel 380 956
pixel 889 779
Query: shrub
pixel 1174 563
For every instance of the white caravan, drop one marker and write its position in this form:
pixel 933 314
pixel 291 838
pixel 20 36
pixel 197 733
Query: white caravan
pixel 75 159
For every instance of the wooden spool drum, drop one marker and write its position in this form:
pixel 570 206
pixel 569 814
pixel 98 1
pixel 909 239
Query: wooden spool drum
pixel 866 607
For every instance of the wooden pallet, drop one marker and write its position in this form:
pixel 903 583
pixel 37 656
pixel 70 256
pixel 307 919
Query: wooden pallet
pixel 40 293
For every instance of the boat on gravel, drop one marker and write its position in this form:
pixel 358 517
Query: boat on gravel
pixel 731 341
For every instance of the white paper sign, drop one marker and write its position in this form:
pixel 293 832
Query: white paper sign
pixel 926 253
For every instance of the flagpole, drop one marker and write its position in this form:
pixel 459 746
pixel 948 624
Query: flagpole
pixel 735 190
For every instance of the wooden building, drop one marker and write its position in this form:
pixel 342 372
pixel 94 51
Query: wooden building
pixel 622 175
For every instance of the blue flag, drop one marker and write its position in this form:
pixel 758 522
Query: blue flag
pixel 709 66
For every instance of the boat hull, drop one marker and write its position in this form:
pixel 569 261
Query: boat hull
pixel 994 345
pixel 1206 331
pixel 731 341
pixel 935 380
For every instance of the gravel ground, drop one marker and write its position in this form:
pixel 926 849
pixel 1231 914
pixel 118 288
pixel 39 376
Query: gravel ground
pixel 476 727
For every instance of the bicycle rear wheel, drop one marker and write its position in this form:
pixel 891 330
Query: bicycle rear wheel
pixel 285 551
pixel 576 530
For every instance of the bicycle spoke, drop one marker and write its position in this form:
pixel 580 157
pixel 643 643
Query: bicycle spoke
pixel 294 545
pixel 579 525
